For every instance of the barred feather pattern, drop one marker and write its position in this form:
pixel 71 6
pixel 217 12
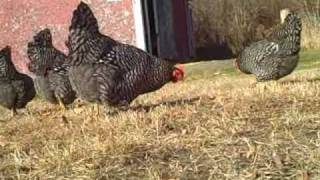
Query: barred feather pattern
pixel 7 69
pixel 139 73
pixel 277 55
pixel 105 71
pixel 46 62
pixel 43 59
pixel 16 89
pixel 288 35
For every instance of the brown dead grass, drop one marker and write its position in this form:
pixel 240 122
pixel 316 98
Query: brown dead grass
pixel 311 33
pixel 237 23
pixel 209 128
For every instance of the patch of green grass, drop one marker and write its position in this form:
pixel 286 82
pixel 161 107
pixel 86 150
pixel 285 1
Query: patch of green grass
pixel 309 59
pixel 210 69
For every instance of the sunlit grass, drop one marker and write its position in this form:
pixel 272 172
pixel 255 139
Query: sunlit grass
pixel 211 126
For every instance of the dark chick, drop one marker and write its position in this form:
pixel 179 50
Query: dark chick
pixel 46 62
pixel 278 54
pixel 106 71
pixel 16 89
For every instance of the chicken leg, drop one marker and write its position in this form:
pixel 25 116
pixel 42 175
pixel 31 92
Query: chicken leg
pixel 14 112
pixel 63 107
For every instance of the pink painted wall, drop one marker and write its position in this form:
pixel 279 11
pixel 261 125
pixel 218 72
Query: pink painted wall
pixel 20 19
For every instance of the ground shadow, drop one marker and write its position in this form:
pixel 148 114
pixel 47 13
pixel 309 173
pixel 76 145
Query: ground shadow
pixel 213 51
pixel 299 81
pixel 148 108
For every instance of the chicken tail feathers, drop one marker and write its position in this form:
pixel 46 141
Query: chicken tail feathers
pixel 83 19
pixel 43 38
pixel 7 69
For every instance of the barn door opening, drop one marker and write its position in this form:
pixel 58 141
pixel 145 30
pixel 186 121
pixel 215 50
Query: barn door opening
pixel 168 28
pixel 150 26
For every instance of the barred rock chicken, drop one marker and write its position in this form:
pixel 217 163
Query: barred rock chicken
pixel 46 61
pixel 278 54
pixel 16 89
pixel 105 71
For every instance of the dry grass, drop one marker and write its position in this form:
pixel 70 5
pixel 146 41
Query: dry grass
pixel 311 35
pixel 311 25
pixel 211 127
pixel 237 23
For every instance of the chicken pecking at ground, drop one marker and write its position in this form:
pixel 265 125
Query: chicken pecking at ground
pixel 105 71
pixel 16 89
pixel 277 55
pixel 46 62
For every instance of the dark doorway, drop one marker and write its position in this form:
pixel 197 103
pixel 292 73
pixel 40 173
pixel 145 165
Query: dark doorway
pixel 168 28
pixel 149 22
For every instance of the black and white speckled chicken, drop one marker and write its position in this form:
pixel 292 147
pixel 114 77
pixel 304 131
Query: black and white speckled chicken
pixel 105 71
pixel 16 89
pixel 278 54
pixel 46 61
